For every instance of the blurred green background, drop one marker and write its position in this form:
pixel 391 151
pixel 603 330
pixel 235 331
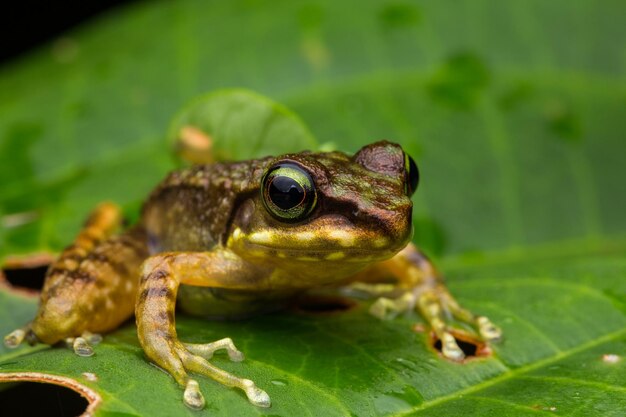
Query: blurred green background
pixel 515 111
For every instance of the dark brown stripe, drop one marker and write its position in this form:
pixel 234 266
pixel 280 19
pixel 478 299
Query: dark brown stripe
pixel 135 241
pixel 98 257
pixel 76 275
pixel 158 275
pixel 155 292
pixel 118 266
pixel 166 316
pixel 165 334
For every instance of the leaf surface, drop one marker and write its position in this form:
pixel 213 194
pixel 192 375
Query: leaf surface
pixel 514 112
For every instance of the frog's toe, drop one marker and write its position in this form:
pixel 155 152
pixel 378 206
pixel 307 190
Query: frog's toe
pixel 193 397
pixel 489 331
pixel 367 290
pixel 83 345
pixel 256 395
pixel 80 346
pixel 200 365
pixel 433 306
pixel 437 306
pixel 206 350
pixel 15 338
pixel 92 338
pixel 18 336
pixel 383 308
pixel 449 348
pixel 386 308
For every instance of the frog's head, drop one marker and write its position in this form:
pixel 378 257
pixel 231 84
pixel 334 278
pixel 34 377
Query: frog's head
pixel 329 208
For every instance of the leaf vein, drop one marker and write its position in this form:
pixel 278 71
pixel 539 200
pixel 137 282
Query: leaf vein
pixel 516 372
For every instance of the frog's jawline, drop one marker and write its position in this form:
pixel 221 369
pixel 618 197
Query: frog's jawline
pixel 352 254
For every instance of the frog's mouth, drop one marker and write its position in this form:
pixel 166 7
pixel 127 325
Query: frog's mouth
pixel 318 254
pixel 329 238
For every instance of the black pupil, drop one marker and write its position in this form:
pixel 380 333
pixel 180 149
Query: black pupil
pixel 414 175
pixel 286 193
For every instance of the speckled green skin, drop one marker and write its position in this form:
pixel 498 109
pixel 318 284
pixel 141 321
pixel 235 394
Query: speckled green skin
pixel 191 210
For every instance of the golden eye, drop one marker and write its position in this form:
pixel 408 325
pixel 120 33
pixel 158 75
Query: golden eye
pixel 411 175
pixel 288 192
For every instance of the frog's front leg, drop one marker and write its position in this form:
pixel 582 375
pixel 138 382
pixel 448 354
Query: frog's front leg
pixel 161 277
pixel 424 290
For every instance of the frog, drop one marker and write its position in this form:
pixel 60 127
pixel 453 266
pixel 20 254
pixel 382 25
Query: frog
pixel 233 239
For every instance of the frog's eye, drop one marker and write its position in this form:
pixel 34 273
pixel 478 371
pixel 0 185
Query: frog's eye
pixel 288 192
pixel 411 175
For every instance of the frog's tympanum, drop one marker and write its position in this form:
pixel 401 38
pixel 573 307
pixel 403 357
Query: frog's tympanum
pixel 229 239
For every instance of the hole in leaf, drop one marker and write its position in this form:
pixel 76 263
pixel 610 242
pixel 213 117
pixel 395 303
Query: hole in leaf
pixel 470 345
pixel 26 273
pixel 324 305
pixel 38 399
pixel 26 278
pixel 467 347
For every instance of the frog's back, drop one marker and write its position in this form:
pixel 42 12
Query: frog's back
pixel 190 210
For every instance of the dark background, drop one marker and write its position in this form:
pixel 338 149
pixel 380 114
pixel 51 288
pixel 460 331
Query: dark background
pixel 25 25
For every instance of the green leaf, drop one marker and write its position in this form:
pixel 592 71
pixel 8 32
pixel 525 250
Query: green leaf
pixel 243 125
pixel 513 111
pixel 560 319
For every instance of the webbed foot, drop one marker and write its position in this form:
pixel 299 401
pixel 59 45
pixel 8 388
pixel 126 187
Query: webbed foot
pixel 82 345
pixel 15 338
pixel 179 358
pixel 437 306
pixel 18 336
pixel 194 358
pixel 206 350
pixel 156 327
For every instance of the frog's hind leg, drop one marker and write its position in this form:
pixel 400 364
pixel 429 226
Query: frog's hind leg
pixel 162 275
pixel 425 291
pixel 91 287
